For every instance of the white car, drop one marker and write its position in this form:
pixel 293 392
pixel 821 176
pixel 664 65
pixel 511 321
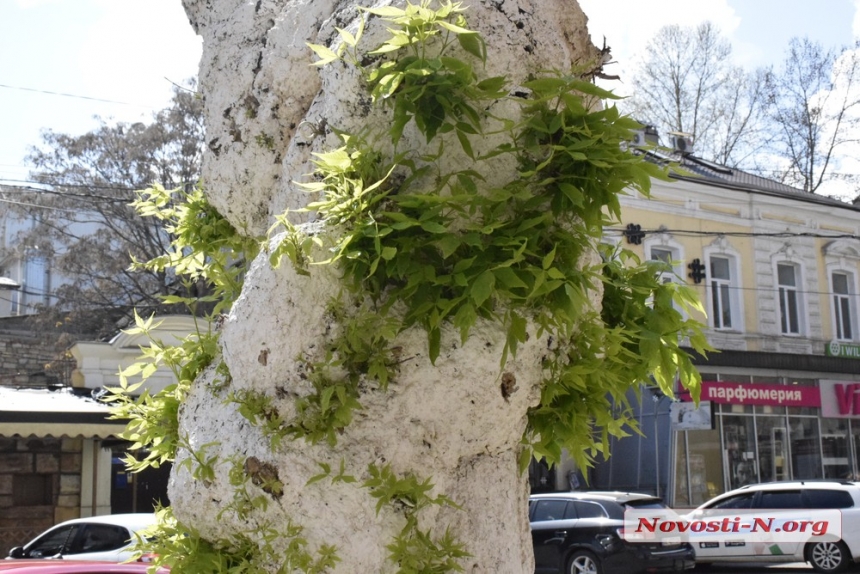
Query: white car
pixel 104 538
pixel 803 502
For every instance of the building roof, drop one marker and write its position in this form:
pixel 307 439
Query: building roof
pixel 691 168
pixel 62 412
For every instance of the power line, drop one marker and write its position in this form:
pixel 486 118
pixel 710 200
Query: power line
pixel 50 93
pixel 26 189
pixel 777 234
pixel 26 204
pixel 61 184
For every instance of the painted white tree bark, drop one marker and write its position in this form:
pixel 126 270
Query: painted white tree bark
pixel 267 109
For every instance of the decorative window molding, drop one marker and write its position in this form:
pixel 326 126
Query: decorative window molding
pixel 841 251
pixel 723 292
pixel 662 246
pixel 789 291
pixel 843 302
pixel 841 263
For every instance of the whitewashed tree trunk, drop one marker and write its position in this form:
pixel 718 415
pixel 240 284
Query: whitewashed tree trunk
pixel 267 109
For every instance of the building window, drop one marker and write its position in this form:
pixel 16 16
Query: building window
pixel 788 298
pixel 842 306
pixel 721 293
pixel 36 282
pixel 667 257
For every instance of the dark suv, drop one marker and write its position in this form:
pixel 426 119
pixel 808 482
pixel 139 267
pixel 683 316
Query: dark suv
pixel 579 533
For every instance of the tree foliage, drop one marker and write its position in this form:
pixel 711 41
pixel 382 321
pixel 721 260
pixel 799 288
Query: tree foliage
pixel 814 109
pixel 84 221
pixel 685 82
pixel 790 122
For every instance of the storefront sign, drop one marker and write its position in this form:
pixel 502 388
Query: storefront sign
pixel 837 349
pixel 757 394
pixel 840 399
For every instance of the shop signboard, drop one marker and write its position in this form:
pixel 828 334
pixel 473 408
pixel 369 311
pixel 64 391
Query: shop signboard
pixel 840 399
pixel 757 394
pixel 839 349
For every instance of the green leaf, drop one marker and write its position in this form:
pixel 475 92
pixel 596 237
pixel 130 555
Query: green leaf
pixel 482 288
pixel 493 84
pixel 448 244
pixel 473 44
pixel 592 90
pixel 509 278
pixel 435 343
pixel 386 12
pixel 464 319
pixel 347 36
pixel 548 259
pixel 463 264
pixel 517 332
pixel 325 53
pixel 544 85
pixel 465 144
pixel 573 194
pixel 433 227
pixel 456 29
pixel 385 49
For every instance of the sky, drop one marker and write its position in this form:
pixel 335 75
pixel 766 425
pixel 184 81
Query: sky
pixel 125 51
pixel 131 51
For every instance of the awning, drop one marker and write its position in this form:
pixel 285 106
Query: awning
pixel 56 413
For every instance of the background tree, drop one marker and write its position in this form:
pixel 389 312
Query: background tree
pixel 83 220
pixel 790 124
pixel 812 107
pixel 685 82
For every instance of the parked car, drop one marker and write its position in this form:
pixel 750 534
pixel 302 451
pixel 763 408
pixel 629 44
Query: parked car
pixel 102 538
pixel 580 533
pixel 825 554
pixel 74 567
pixel 26 566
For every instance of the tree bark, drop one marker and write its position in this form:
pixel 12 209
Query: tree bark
pixel 457 422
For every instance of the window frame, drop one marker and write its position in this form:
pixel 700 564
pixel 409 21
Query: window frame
pixel 783 293
pixel 849 298
pixel 68 532
pixel 577 504
pixel 666 243
pixel 721 295
pixel 722 247
pixel 539 506
pixel 732 289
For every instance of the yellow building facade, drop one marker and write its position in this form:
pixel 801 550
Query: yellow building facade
pixel 777 271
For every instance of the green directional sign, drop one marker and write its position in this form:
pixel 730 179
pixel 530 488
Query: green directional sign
pixel 838 349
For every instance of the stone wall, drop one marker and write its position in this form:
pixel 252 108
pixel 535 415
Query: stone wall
pixel 54 460
pixel 31 358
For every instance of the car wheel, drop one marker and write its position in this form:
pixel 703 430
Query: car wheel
pixel 584 562
pixel 828 556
